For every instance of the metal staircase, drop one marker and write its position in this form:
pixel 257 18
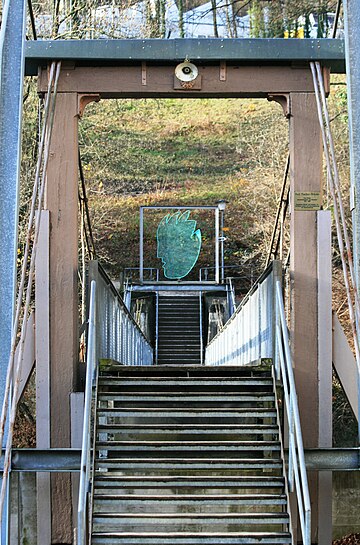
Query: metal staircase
pixel 188 455
pixel 179 329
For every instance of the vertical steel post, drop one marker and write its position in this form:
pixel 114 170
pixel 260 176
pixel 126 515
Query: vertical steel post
pixel 141 244
pixel 156 327
pixel 201 329
pixel 12 40
pixel 217 245
pixel 352 46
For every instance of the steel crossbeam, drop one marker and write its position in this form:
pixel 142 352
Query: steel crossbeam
pixel 256 52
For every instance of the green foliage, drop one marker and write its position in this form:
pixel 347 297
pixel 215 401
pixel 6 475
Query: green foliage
pixel 257 20
pixel 344 421
pixel 275 27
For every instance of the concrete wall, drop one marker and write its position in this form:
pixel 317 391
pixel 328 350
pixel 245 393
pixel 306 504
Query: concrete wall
pixel 23 521
pixel 346 503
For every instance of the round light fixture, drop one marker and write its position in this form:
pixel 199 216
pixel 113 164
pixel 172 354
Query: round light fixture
pixel 186 71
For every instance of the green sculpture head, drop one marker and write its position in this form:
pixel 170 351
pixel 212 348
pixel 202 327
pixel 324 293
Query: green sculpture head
pixel 178 244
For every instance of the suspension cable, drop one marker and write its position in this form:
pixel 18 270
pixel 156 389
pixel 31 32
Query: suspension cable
pixel 282 200
pixel 84 200
pixel 32 19
pixel 336 20
pixel 37 197
pixel 339 215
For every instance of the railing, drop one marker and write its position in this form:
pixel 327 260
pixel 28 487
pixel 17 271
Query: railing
pixel 133 273
pixel 248 335
pixel 112 335
pixel 231 296
pixel 297 478
pixel 118 337
pixel 92 370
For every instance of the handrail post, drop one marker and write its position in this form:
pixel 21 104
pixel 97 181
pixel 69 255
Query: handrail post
pixel 156 327
pixel 296 447
pixel 201 330
pixel 85 450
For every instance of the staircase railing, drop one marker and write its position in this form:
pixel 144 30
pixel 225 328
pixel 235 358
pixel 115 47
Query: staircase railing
pixel 118 337
pixel 92 370
pixel 258 330
pixel 113 334
pixel 297 477
pixel 249 334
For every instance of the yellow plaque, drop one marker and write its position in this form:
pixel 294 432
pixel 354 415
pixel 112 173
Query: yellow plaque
pixel 307 200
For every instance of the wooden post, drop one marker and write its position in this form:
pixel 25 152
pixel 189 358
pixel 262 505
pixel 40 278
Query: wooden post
pixel 62 202
pixel 305 172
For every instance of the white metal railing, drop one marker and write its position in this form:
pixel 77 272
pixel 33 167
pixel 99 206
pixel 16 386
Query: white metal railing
pixel 112 334
pixel 248 335
pixel 297 477
pixel 86 458
pixel 118 336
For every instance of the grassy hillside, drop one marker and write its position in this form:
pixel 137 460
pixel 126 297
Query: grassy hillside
pixel 182 152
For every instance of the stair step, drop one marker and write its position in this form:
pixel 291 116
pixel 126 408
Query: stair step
pixel 139 399
pixel 189 464
pixel 237 538
pixel 188 449
pixel 161 416
pixel 188 431
pixel 219 385
pixel 179 348
pixel 188 522
pixel 179 481
pixel 178 503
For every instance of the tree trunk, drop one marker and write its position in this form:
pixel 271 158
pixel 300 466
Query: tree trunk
pixel 214 14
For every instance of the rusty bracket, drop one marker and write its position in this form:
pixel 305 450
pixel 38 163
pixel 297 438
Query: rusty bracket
pixel 84 100
pixel 284 100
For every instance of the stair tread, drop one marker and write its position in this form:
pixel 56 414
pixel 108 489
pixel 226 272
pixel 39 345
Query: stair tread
pixel 191 479
pixel 203 460
pixel 194 534
pixel 217 411
pixel 190 426
pixel 194 497
pixel 192 395
pixel 198 516
pixel 188 444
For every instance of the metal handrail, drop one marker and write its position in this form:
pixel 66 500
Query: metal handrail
pixel 232 295
pixel 252 290
pixel 156 327
pixel 118 337
pixel 297 477
pixel 91 379
pixel 201 328
pixel 150 269
pixel 249 333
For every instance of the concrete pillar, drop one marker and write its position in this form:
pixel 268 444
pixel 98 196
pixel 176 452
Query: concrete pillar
pixel 62 203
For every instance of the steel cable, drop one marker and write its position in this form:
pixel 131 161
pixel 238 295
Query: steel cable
pixel 37 197
pixel 339 215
